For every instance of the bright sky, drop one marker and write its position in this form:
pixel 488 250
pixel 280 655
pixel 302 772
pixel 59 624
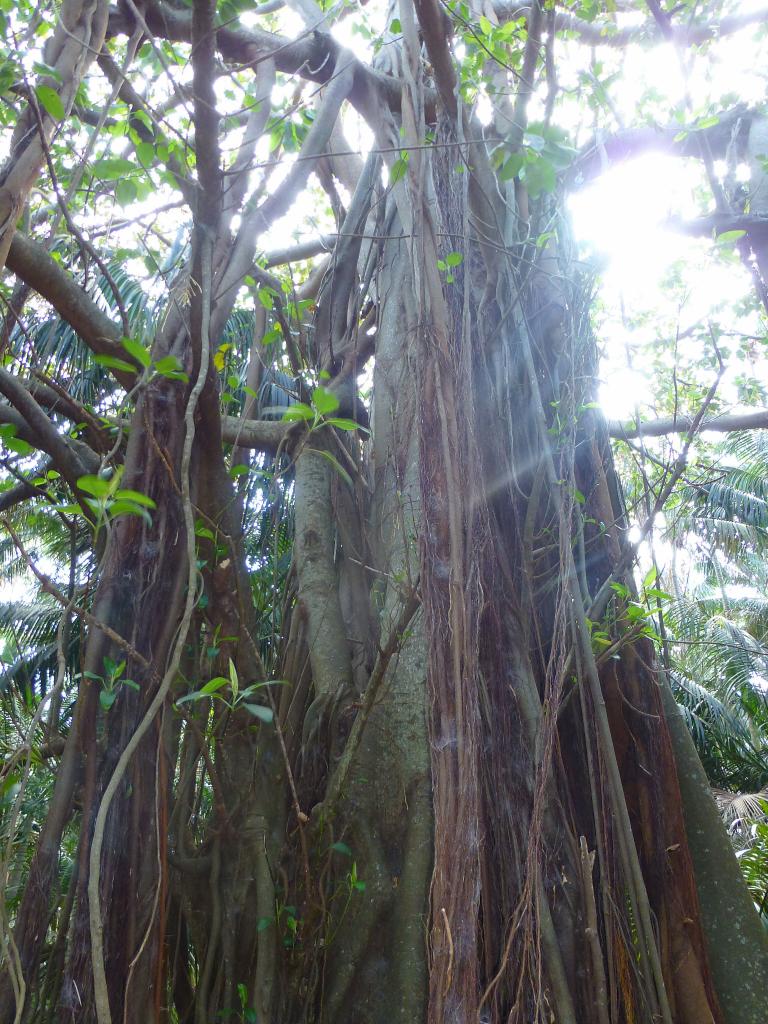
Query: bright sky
pixel 620 219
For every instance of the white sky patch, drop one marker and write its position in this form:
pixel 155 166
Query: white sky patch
pixel 622 222
pixel 622 217
pixel 621 390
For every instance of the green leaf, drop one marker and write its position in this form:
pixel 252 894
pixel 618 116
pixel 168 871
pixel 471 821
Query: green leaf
pixel 335 463
pixel 634 612
pixel 136 496
pixel 650 577
pixel 46 71
pixel 263 923
pixel 190 696
pixel 107 698
pixel 120 507
pixel 170 368
pixel 95 485
pixel 113 168
pixel 260 712
pixel 343 424
pixel 324 401
pixel 233 680
pixel 299 411
pixel 168 363
pixel 258 686
pixel 115 670
pixel 341 848
pixel 535 142
pixel 454 259
pixel 201 530
pixel 210 688
pixel 126 191
pixel 213 685
pixel 113 363
pixel 399 168
pixel 145 151
pixel 9 71
pixel 729 236
pixel 50 100
pixel 139 352
pixel 18 445
pixel 540 177
pixel 272 335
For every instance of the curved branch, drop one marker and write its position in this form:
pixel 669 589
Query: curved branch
pixel 312 56
pixel 299 251
pixel 32 264
pixel 262 435
pixel 23 490
pixel 70 461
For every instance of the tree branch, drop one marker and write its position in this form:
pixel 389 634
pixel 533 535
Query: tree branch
pixel 757 420
pixel 43 434
pixel 206 116
pixel 300 251
pixel 605 32
pixel 256 221
pixel 262 435
pixel 313 56
pixel 677 140
pixel 23 490
pixel 717 223
pixel 32 264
